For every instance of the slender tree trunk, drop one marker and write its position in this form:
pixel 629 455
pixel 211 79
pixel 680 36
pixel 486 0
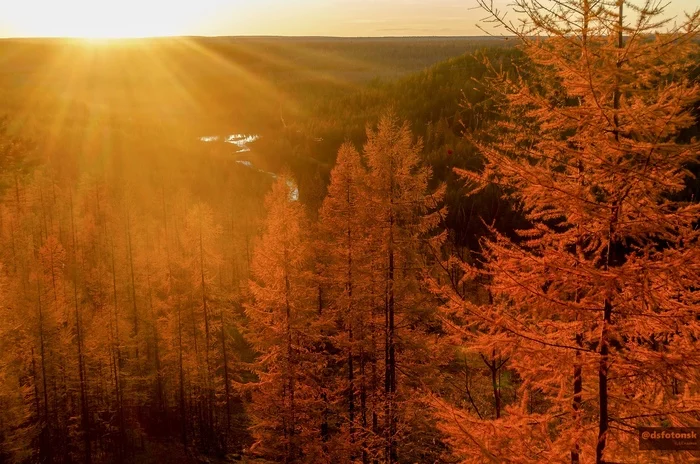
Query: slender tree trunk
pixel 181 371
pixel 351 389
pixel 495 369
pixel 578 389
pixel 14 248
pixel 290 361
pixel 227 386
pixel 43 355
pixel 235 278
pixel 43 445
pixel 46 424
pixel 207 339
pixel 156 339
pixel 115 375
pixel 183 415
pixel 53 277
pixel 325 429
pixel 17 202
pixel 603 423
pixel 247 249
pixel 133 284
pixel 85 413
pixel 363 404
pixel 578 367
pixel 35 383
pixel 119 391
pixel 291 451
pixel 467 388
pixel 374 383
pixel 390 354
pixel 350 320
pixel 43 212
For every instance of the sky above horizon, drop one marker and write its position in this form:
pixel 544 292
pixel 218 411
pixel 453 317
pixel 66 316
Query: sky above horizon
pixel 139 18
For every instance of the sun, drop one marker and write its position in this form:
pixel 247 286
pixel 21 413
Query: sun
pixel 103 19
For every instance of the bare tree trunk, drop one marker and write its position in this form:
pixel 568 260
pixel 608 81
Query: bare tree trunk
pixel 207 340
pixel 118 364
pixel 578 389
pixel 35 381
pixel 227 386
pixel 14 248
pixel 43 213
pixel 467 388
pixel 46 428
pixel 133 285
pixel 390 355
pixel 156 342
pixel 363 405
pixel 183 415
pixel 85 413
pixel 374 384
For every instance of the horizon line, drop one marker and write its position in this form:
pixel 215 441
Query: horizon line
pixel 251 36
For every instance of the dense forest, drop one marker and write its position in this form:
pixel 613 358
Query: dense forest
pixel 321 250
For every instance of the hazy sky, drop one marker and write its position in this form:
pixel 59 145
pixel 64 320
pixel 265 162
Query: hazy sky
pixel 100 18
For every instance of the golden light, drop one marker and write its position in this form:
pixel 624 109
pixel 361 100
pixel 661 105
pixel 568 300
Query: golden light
pixel 101 19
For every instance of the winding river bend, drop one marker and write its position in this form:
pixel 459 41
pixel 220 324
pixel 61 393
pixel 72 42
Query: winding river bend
pixel 243 142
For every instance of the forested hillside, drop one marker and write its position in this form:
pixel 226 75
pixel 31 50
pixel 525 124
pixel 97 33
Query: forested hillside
pixel 490 258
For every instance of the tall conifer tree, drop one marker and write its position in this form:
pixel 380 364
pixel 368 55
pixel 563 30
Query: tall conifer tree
pixel 343 233
pixel 403 214
pixel 596 303
pixel 284 408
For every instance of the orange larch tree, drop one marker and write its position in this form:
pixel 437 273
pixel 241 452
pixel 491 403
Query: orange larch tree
pixel 343 233
pixel 596 303
pixel 403 214
pixel 285 407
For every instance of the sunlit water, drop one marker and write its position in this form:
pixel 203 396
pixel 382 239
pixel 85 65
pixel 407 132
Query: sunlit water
pixel 242 141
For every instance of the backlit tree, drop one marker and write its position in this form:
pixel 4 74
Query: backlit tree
pixel 596 303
